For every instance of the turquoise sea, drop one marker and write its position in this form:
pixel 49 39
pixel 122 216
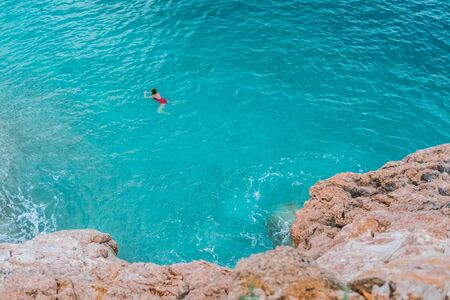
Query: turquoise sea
pixel 265 98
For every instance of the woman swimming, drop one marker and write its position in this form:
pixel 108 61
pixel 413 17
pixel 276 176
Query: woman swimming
pixel 157 97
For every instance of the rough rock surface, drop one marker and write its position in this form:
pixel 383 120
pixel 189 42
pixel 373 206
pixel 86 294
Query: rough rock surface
pixel 387 232
pixel 82 264
pixel 284 273
pixel 379 235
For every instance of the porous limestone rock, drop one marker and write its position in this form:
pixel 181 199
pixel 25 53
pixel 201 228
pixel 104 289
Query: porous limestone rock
pixel 285 273
pixel 82 264
pixel 387 232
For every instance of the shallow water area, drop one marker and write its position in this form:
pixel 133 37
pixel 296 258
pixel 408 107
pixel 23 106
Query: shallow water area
pixel 265 99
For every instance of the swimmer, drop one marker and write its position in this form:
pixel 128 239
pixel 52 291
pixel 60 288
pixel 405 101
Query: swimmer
pixel 157 97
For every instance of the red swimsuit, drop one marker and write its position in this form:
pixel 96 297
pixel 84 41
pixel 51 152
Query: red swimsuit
pixel 161 101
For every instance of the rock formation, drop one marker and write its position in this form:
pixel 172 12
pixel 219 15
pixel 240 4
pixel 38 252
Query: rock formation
pixel 379 235
pixel 386 233
pixel 82 264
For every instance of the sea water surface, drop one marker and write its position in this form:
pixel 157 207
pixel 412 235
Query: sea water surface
pixel 265 98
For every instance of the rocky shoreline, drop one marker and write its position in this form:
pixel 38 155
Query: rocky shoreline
pixel 379 235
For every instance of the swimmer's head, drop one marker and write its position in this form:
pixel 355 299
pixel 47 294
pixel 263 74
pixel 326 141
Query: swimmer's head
pixel 154 91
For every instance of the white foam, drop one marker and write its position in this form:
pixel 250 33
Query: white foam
pixel 20 217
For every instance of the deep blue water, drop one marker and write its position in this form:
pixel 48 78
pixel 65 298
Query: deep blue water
pixel 265 98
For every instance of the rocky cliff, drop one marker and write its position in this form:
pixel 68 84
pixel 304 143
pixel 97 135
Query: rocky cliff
pixel 386 233
pixel 379 235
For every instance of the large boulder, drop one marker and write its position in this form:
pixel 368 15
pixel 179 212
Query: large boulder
pixel 284 273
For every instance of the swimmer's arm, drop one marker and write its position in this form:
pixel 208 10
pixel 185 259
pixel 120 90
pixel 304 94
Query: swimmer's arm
pixel 146 95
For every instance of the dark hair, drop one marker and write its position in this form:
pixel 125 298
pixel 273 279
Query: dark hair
pixel 154 91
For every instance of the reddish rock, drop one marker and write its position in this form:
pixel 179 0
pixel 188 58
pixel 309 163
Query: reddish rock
pixel 285 273
pixel 386 233
pixel 82 264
